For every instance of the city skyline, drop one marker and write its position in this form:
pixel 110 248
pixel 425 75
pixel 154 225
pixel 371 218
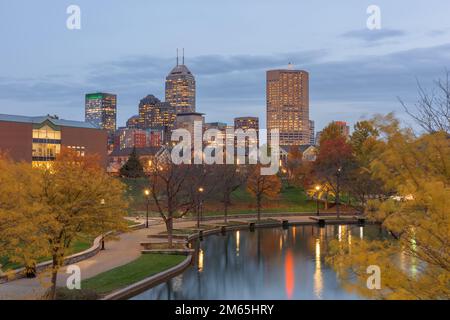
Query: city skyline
pixel 378 65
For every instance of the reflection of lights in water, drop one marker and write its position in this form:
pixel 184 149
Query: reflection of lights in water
pixel 200 260
pixel 349 238
pixel 361 233
pixel 340 233
pixel 238 242
pixel 281 243
pixel 293 233
pixel 322 233
pixel 289 273
pixel 318 282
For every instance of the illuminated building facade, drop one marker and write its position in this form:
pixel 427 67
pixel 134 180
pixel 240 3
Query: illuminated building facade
pixel 246 123
pixel 38 140
pixel 287 94
pixel 133 122
pixel 180 88
pixel 154 114
pixel 101 110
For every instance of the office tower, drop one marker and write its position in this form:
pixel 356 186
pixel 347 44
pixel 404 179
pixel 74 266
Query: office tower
pixel 311 133
pixel 154 114
pixel 101 110
pixel 246 123
pixel 133 122
pixel 180 88
pixel 287 93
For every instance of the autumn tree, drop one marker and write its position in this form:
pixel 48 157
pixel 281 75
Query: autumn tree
pixel 22 241
pixel 362 185
pixel 262 187
pixel 417 169
pixel 331 132
pixel 74 196
pixel 298 171
pixel 333 165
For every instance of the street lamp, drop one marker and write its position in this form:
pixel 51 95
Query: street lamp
pixel 200 209
pixel 317 197
pixel 102 202
pixel 338 175
pixel 147 194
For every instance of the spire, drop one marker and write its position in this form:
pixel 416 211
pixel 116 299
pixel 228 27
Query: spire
pixel 183 56
pixel 177 56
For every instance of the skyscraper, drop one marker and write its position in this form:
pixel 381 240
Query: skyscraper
pixel 180 88
pixel 312 140
pixel 246 123
pixel 101 110
pixel 154 114
pixel 287 93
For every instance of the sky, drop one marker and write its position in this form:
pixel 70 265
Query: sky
pixel 128 48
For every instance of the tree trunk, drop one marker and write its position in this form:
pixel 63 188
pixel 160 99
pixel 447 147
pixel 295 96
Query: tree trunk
pixel 52 295
pixel 169 226
pixel 225 213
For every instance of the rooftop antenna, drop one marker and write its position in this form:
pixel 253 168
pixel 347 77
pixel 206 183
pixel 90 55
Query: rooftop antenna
pixel 183 56
pixel 177 56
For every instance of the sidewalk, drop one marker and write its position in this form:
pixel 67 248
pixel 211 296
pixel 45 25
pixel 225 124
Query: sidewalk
pixel 119 252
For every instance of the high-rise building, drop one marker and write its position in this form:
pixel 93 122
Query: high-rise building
pixel 180 88
pixel 246 123
pixel 154 114
pixel 101 110
pixel 287 93
pixel 132 138
pixel 312 140
pixel 133 122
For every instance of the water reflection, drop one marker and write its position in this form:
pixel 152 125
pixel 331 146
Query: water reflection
pixel 264 264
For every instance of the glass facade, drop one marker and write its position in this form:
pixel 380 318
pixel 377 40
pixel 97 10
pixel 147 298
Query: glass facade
pixel 46 144
pixel 101 109
pixel 180 89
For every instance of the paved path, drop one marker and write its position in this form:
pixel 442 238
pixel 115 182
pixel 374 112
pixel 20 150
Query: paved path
pixel 119 252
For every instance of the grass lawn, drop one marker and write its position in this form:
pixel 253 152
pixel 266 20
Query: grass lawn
pixel 82 243
pixel 146 265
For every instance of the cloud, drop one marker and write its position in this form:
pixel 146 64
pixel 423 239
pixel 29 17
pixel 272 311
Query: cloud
pixel 229 86
pixel 376 35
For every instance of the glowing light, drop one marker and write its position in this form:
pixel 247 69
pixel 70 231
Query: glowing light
pixel 318 281
pixel 200 260
pixel 289 274
pixel 361 232
pixel 238 242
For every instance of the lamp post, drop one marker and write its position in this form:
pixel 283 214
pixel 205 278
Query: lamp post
pixel 317 198
pixel 338 190
pixel 102 202
pixel 147 194
pixel 200 208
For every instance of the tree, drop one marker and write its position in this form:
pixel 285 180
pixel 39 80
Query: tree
pixel 333 165
pixel 73 195
pixel 432 110
pixel 262 186
pixel 133 167
pixel 417 169
pixel 362 185
pixel 169 185
pixel 229 178
pixel 21 239
pixel 298 171
pixel 330 132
